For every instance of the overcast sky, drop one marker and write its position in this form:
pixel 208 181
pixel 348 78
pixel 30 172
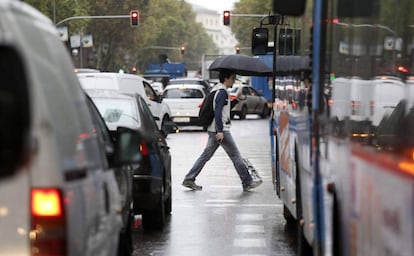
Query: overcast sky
pixel 217 5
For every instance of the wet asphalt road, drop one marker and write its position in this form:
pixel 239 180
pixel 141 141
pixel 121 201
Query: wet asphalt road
pixel 221 219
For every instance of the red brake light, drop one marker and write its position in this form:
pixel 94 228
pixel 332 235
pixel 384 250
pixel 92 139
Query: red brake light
pixel 46 202
pixel 48 222
pixel 232 97
pixel 143 148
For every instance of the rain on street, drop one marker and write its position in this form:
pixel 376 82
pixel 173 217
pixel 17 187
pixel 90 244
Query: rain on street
pixel 221 219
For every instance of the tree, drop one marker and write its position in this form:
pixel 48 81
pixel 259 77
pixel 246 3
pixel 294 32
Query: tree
pixel 116 45
pixel 58 10
pixel 242 26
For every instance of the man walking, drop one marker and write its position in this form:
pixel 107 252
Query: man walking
pixel 219 135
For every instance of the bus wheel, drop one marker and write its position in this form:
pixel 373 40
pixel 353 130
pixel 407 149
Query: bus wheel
pixel 243 112
pixel 288 216
pixel 304 249
pixel 336 232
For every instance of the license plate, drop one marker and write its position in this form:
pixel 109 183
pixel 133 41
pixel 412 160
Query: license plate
pixel 181 119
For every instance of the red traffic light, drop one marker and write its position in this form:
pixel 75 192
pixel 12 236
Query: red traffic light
pixel 226 18
pixel 134 18
pixel 402 69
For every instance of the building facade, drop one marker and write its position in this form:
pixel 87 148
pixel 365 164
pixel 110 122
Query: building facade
pixel 222 36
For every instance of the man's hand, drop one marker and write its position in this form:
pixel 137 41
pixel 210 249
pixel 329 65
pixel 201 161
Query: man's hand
pixel 219 137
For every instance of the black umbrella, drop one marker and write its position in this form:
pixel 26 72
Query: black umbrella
pixel 241 64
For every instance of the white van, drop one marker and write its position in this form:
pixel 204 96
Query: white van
pixel 57 195
pixel 128 83
pixel 386 93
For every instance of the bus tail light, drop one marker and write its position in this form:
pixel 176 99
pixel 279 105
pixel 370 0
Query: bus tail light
pixel 48 222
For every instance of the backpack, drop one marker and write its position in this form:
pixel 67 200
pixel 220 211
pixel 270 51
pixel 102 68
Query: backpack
pixel 206 113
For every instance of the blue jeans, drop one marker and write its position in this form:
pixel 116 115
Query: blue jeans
pixel 232 151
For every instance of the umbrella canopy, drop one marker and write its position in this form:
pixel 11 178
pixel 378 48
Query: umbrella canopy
pixel 242 65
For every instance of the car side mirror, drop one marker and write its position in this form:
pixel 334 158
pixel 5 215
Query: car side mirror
pixel 128 146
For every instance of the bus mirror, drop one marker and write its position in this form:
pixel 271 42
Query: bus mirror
pixel 289 7
pixel 259 41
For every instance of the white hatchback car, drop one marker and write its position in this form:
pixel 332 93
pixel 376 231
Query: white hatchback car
pixel 127 83
pixel 184 101
pixel 58 195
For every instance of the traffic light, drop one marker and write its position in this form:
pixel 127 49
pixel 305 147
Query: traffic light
pixel 226 18
pixel 260 38
pixel 134 18
pixel 182 49
pixel 237 49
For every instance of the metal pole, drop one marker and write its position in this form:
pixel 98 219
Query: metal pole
pixel 93 17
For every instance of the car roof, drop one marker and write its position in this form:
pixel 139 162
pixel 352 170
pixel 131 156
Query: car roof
pixel 109 74
pixel 184 85
pixel 188 79
pixel 99 93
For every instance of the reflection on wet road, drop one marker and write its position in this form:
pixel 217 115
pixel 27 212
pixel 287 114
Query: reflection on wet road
pixel 221 219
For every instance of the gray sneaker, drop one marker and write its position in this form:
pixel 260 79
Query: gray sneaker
pixel 191 184
pixel 252 185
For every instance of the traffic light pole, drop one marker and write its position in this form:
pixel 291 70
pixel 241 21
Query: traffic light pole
pixel 248 15
pixel 93 17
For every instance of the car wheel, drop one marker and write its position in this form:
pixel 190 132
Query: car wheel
pixel 243 112
pixel 155 218
pixel 163 128
pixel 265 112
pixel 126 246
pixel 168 204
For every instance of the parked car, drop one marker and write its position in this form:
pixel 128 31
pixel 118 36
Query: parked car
pixel 184 101
pixel 124 178
pixel 57 194
pixel 252 102
pixel 192 80
pixel 152 192
pixel 128 83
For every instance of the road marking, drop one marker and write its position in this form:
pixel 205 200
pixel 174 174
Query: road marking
pixel 222 201
pixel 249 228
pixel 249 242
pixel 243 205
pixel 226 186
pixel 247 217
pixel 249 254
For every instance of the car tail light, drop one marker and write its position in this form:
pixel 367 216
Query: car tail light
pixel 143 148
pixel 48 222
pixel 144 167
pixel 357 108
pixel 232 97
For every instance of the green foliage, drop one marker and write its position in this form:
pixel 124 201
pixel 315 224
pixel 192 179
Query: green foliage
pixel 58 10
pixel 164 23
pixel 242 26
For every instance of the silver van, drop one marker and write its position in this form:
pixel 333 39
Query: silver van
pixel 57 194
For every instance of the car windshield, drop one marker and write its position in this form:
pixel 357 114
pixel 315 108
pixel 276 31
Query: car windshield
pixel 118 112
pixel 182 93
